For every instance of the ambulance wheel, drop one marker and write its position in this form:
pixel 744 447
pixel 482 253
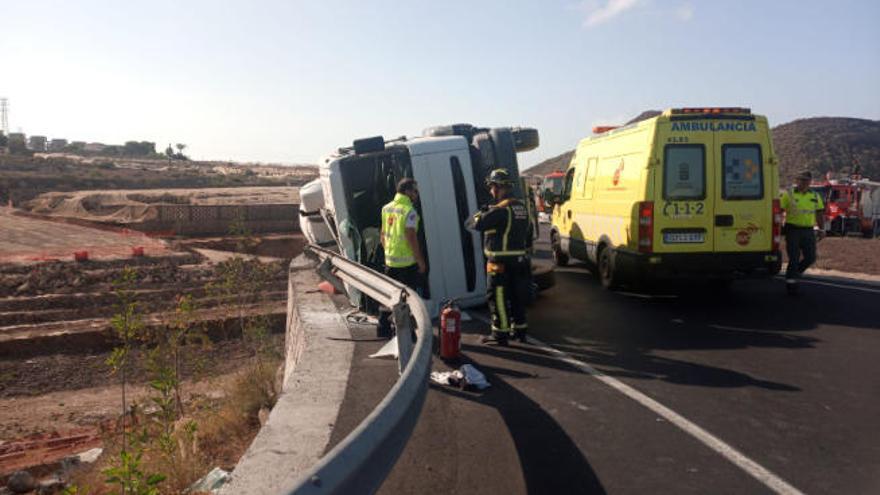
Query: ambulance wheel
pixel 607 271
pixel 559 258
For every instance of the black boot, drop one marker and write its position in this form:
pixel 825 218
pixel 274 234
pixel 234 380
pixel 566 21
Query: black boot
pixel 496 338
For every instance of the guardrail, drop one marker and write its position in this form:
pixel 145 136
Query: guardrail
pixel 363 459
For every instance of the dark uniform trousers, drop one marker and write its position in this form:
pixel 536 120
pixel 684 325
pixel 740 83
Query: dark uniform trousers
pixel 409 276
pixel 799 240
pixel 507 292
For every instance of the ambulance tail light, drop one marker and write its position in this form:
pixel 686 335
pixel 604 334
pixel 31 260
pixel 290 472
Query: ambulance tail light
pixel 777 225
pixel 646 226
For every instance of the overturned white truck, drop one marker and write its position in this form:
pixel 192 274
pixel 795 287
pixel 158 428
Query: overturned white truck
pixel 450 164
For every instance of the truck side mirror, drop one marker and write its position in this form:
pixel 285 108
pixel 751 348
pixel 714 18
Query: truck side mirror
pixel 550 199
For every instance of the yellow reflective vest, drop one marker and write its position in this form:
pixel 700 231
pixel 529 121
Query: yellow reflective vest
pixel 800 208
pixel 398 253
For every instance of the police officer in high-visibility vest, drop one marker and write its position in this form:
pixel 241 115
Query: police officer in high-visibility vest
pixel 505 227
pixel 404 261
pixel 804 222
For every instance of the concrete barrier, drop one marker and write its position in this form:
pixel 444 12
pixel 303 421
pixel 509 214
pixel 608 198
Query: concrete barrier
pixel 299 427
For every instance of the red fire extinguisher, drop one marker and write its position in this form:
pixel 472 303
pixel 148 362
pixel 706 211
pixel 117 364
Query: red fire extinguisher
pixel 450 331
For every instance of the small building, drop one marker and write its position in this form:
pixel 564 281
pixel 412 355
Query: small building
pixel 37 143
pixel 95 147
pixel 57 144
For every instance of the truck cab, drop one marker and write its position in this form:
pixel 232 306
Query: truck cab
pixel 849 205
pixel 450 164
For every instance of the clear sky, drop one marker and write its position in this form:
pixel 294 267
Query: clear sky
pixel 289 81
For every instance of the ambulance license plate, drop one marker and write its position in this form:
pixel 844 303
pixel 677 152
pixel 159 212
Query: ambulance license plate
pixel 683 237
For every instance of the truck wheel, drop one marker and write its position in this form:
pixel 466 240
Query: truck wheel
pixel 607 271
pixel 559 258
pixel 525 138
pixel 543 275
pixel 466 130
pixel 505 153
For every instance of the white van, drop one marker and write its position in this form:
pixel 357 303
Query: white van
pixel 450 165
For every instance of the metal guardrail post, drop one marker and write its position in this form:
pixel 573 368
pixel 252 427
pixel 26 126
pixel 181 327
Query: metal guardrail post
pixel 363 459
pixel 404 325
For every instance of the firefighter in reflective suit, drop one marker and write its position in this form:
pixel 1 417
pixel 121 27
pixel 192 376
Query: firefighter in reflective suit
pixel 505 228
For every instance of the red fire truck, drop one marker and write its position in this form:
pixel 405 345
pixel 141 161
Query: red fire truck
pixel 852 205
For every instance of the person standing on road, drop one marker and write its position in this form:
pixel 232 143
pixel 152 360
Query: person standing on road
pixel 404 261
pixel 505 228
pixel 804 223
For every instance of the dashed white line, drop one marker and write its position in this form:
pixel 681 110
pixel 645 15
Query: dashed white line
pixel 760 473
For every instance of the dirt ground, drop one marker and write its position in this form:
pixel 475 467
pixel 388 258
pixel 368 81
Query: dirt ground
pixel 849 254
pixel 24 178
pixel 62 393
pixel 24 239
pixel 57 396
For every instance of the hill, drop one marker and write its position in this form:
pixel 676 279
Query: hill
pixel 821 144
pixel 824 144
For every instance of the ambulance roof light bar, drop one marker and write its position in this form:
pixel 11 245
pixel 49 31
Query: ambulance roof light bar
pixel 711 110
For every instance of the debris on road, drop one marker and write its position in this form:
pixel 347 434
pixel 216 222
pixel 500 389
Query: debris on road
pixel 474 377
pixel 388 351
pixel 466 376
pixel 452 378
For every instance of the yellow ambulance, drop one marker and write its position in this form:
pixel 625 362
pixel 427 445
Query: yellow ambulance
pixel 689 193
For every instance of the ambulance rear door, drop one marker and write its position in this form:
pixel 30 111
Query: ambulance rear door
pixel 684 188
pixel 743 215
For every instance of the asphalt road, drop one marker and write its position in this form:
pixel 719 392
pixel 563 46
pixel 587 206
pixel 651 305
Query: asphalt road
pixel 693 391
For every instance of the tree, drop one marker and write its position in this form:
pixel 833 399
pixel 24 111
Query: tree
pixel 180 156
pixel 139 148
pixel 3 139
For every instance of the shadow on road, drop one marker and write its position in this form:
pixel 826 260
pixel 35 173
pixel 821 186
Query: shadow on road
pixel 551 462
pixel 646 366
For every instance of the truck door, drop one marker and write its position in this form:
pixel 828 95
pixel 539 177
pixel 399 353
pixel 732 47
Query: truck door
pixel 684 189
pixel 743 214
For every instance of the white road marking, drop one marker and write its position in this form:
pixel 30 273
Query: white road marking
pixel 839 286
pixel 646 296
pixel 751 467
pixel 739 459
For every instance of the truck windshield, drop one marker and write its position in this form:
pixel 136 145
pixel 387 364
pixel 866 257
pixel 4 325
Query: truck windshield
pixel 684 172
pixel 554 184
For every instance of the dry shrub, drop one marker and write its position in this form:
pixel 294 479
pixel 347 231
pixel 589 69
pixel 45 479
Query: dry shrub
pixel 215 432
pixel 227 433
